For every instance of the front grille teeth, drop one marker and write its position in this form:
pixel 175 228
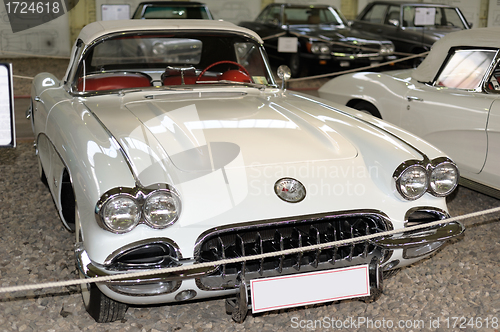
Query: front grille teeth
pixel 235 242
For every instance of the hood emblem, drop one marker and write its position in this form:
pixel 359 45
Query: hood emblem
pixel 290 190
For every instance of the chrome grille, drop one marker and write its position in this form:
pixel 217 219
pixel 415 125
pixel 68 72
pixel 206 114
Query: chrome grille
pixel 372 48
pixel 272 236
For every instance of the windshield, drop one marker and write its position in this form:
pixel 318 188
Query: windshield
pixel 307 15
pixel 159 59
pixel 465 69
pixel 162 11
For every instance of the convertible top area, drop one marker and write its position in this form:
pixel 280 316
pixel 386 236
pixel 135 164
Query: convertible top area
pixel 96 29
pixel 480 37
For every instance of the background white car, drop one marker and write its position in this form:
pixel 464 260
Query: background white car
pixel 452 100
pixel 188 152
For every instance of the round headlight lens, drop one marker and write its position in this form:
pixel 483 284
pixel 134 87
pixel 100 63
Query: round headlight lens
pixel 412 183
pixel 162 208
pixel 387 49
pixel 121 214
pixel 444 179
pixel 159 49
pixel 320 48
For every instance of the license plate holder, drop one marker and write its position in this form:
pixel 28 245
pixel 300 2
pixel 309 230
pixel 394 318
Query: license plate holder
pixel 309 288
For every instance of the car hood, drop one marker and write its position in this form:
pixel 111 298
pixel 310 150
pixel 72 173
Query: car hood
pixel 334 33
pixel 198 132
pixel 224 149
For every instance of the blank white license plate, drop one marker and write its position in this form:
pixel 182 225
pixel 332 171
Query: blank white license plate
pixel 309 288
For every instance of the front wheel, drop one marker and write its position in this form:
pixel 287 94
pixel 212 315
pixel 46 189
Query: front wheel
pixel 99 306
pixel 368 108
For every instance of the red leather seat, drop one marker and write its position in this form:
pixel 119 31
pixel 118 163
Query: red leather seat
pixel 113 81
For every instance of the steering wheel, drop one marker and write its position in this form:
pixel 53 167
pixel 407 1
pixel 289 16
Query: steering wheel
pixel 222 62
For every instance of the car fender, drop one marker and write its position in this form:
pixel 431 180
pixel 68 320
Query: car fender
pixel 383 90
pixel 80 146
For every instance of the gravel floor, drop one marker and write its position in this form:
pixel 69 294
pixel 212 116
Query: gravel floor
pixel 460 280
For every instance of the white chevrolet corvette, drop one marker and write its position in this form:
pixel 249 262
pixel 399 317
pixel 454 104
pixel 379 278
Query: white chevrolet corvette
pixel 169 144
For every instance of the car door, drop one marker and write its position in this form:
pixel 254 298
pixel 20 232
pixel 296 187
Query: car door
pixel 490 175
pixel 453 112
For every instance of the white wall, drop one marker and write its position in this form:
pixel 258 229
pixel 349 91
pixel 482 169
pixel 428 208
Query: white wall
pixel 470 8
pixel 494 13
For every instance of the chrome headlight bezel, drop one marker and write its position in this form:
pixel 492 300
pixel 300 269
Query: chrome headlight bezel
pixel 403 185
pixel 114 213
pixel 172 197
pixel 438 166
pixel 426 169
pixel 140 197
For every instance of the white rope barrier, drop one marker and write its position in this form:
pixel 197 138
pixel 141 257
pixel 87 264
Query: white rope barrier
pixel 181 268
pixel 357 69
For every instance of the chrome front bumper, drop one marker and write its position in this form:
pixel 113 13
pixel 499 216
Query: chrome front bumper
pixel 431 237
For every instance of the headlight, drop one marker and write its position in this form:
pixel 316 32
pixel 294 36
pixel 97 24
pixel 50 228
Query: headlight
pixel 443 179
pixel 159 49
pixel 320 48
pixel 387 49
pixel 121 214
pixel 121 209
pixel 414 178
pixel 412 183
pixel 161 208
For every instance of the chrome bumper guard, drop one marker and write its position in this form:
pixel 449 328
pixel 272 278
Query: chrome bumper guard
pixel 91 270
pixel 411 239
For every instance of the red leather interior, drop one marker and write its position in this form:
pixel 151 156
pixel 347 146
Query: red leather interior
pixel 113 81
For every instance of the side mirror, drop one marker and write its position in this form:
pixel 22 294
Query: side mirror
pixel 284 73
